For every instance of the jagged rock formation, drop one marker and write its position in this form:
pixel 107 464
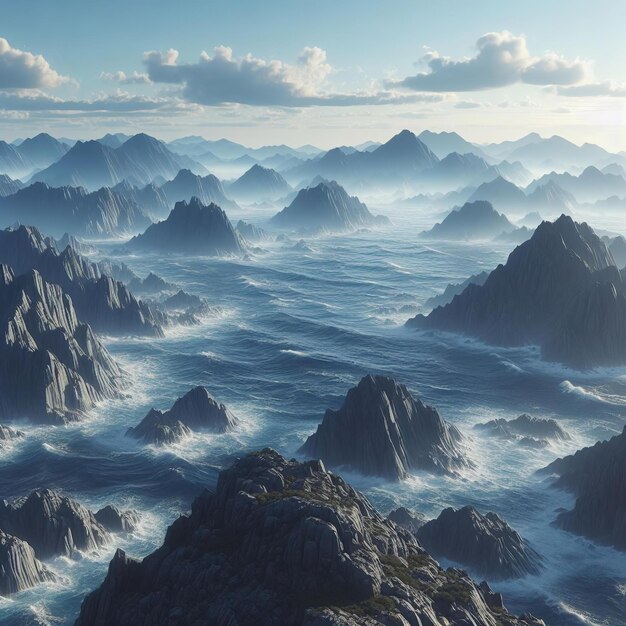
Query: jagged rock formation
pixel 382 430
pixel 326 207
pixel 515 237
pixel 617 247
pixel 9 434
pixel 52 524
pixel 258 184
pixel 527 429
pixel 100 301
pixel 116 521
pixel 150 199
pixel 250 232
pixel 8 186
pixel 295 544
pixel 559 290
pixel 150 285
pixel 80 247
pixel 473 221
pixel 597 476
pixel 52 367
pixel 60 210
pixel 196 410
pixel 191 228
pixel 452 290
pixel 407 519
pixel 486 543
pixel 187 185
pixel 19 567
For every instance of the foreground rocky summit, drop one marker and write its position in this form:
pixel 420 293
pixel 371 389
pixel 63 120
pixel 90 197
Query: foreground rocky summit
pixel 485 543
pixel 286 543
pixel 560 290
pixel 196 410
pixel 381 430
pixel 597 476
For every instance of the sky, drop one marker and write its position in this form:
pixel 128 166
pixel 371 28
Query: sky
pixel 326 73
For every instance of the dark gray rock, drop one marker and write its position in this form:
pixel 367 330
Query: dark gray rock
pixel 52 524
pixel 52 367
pixel 485 543
pixel 597 476
pixel 294 544
pixel 525 426
pixel 407 519
pixel 560 290
pixel 19 567
pixel 382 430
pixel 196 410
pixel 454 289
pixel 473 221
pixel 116 521
pixel 191 228
pixel 326 207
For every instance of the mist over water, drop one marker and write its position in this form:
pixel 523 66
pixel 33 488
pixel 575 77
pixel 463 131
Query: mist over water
pixel 299 324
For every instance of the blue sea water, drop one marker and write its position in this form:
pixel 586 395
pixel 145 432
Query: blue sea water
pixel 299 323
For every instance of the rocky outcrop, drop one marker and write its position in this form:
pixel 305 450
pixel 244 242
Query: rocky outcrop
pixel 8 434
pixel 100 301
pixel 59 210
pixel 381 430
pixel 79 246
pixel 407 519
pixel 196 410
pixel 19 567
pixel 560 290
pixel 295 544
pixel 116 521
pixel 597 476
pixel 52 524
pixel 250 232
pixel 150 285
pixel 52 367
pixel 473 221
pixel 528 430
pixel 187 185
pixel 452 290
pixel 150 199
pixel 258 184
pixel 485 543
pixel 191 228
pixel 326 207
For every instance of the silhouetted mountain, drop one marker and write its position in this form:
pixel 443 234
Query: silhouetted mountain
pixel 616 169
pixel 473 221
pixel 458 169
pixel 597 476
pixel 150 199
pixel 258 184
pixel 251 233
pixel 485 543
pixel 42 150
pixel 186 185
pixel 8 186
pixel 191 228
pixel 326 207
pixel 92 165
pixel 12 163
pixel 381 430
pixel 551 199
pixel 452 290
pixel 297 545
pixel 443 144
pixel 523 427
pixel 559 290
pixel 114 140
pixel 617 247
pixel 60 210
pixel 52 368
pixel 502 194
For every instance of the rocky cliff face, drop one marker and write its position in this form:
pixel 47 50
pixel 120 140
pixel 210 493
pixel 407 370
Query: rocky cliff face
pixel 473 221
pixel 52 524
pixel 102 302
pixel 597 476
pixel 187 185
pixel 485 543
pixel 326 207
pixel 19 567
pixel 560 290
pixel 52 367
pixel 191 228
pixel 59 210
pixel 382 430
pixel 196 410
pixel 116 521
pixel 525 428
pixel 292 543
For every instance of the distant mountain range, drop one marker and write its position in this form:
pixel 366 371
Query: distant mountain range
pixel 31 154
pixel 258 184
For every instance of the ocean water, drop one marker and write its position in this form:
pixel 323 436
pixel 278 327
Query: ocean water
pixel 299 323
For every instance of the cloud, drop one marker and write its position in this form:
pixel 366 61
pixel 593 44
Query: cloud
pixel 24 70
pixel 602 88
pixel 467 104
pixel 136 78
pixel 224 79
pixel 502 59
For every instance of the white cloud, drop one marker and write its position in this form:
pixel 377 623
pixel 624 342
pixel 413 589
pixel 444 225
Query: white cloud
pixel 24 70
pixel 502 59
pixel 135 78
pixel 601 88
